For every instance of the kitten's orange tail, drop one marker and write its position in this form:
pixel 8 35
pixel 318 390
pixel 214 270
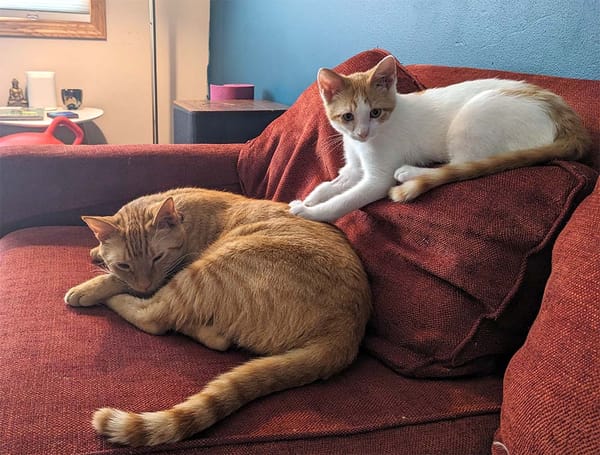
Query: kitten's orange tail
pixel 224 395
pixel 569 146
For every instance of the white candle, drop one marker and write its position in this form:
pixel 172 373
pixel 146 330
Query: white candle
pixel 41 89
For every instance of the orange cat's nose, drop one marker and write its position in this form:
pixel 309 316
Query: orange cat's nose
pixel 144 284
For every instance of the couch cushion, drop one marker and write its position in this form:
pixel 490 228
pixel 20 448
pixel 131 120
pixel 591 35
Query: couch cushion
pixel 60 363
pixel 457 275
pixel 552 384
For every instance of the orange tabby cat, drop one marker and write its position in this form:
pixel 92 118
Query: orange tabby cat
pixel 244 272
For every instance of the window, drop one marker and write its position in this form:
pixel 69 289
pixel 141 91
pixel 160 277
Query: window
pixel 53 18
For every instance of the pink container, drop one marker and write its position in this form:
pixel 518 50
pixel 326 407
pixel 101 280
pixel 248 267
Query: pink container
pixel 231 92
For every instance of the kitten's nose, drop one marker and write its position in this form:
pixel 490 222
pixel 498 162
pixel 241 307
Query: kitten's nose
pixel 362 134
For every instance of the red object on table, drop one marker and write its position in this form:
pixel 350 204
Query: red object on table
pixel 46 137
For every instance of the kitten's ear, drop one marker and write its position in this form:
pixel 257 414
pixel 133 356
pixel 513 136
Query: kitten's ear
pixel 100 226
pixel 384 74
pixel 330 83
pixel 167 215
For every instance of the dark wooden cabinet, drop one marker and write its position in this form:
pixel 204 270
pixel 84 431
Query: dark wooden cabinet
pixel 219 122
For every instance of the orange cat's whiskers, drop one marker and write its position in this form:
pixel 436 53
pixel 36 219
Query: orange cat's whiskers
pixel 99 270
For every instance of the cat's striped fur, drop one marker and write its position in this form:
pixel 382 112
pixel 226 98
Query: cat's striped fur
pixel 244 272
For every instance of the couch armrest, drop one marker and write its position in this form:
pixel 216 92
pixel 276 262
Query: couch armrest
pixel 56 184
pixel 551 398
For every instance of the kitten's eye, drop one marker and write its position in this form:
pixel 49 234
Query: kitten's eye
pixel 158 257
pixel 375 113
pixel 124 266
pixel 348 117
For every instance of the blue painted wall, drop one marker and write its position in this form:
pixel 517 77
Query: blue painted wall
pixel 278 45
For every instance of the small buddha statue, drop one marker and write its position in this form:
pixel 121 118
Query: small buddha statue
pixel 16 97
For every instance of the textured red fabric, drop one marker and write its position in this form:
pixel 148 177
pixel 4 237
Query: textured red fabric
pixel 59 363
pixel 56 184
pixel 552 384
pixel 457 288
pixel 457 275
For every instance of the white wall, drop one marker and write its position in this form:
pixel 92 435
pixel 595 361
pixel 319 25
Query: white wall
pixel 115 74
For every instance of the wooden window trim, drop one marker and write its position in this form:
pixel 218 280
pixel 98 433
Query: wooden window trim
pixel 95 29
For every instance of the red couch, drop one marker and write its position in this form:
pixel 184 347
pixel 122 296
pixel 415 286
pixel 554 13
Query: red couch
pixel 486 320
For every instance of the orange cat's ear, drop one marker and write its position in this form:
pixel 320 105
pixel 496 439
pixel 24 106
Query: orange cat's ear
pixel 330 83
pixel 167 215
pixel 100 226
pixel 384 74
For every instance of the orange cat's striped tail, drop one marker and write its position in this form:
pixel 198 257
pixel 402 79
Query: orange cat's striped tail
pixel 572 142
pixel 224 395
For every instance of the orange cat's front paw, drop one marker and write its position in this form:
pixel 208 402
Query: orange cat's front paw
pixel 211 338
pixel 94 291
pixel 81 295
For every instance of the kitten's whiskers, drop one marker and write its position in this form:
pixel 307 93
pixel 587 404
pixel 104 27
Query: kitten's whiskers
pixel 333 141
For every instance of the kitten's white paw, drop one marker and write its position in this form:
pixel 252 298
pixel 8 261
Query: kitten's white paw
pixel 296 206
pixel 312 200
pixel 312 213
pixel 404 173
pixel 302 210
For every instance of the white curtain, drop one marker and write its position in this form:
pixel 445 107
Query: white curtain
pixel 54 6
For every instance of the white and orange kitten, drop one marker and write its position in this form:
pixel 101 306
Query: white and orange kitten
pixel 477 128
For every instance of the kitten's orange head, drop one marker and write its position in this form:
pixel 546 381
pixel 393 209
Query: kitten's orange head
pixel 141 246
pixel 358 104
